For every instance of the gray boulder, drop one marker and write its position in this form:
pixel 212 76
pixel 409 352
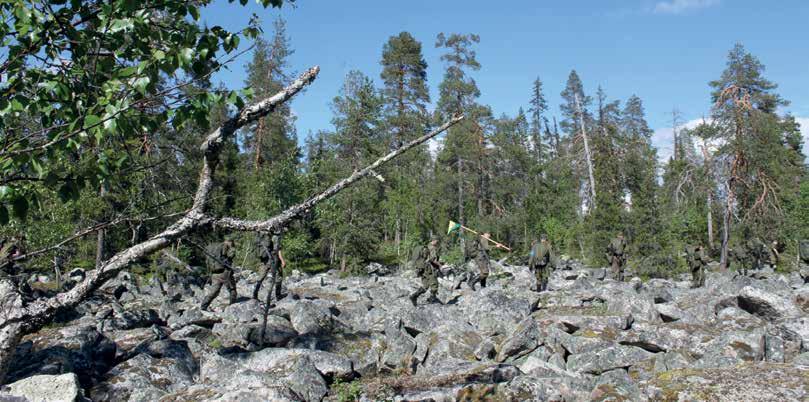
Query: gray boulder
pixel 525 338
pixel 79 349
pixel 611 358
pixel 248 335
pixel 45 388
pixel 766 305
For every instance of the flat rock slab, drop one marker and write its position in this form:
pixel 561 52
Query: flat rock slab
pixel 746 382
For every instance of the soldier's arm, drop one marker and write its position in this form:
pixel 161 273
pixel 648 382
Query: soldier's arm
pixel 281 257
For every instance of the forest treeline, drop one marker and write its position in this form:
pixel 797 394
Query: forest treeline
pixel 579 172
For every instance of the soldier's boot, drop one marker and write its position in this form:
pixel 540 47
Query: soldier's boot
pixel 279 293
pixel 210 296
pixel 414 297
pixel 433 298
pixel 230 283
pixel 483 279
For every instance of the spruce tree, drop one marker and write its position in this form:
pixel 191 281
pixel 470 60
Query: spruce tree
pixel 538 106
pixel 350 223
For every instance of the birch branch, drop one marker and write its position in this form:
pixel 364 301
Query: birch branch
pixel 280 220
pixel 42 311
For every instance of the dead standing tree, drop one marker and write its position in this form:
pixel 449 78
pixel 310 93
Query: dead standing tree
pixel 587 154
pixel 17 320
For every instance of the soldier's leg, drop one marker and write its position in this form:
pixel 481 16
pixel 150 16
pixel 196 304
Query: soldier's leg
pixel 414 297
pixel 230 282
pixel 544 278
pixel 702 276
pixel 265 268
pixel 484 273
pixel 279 282
pixel 614 267
pixel 538 278
pixel 432 286
pixel 472 279
pixel 216 286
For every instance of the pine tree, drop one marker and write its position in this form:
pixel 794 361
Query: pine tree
pixel 758 172
pixel 464 145
pixel 404 74
pixel 273 138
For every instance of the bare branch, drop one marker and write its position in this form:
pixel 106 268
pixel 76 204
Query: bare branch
pixel 281 219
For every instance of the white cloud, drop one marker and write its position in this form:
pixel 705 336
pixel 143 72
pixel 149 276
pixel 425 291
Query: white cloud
pixel 663 139
pixel 682 6
pixel 434 145
pixel 804 122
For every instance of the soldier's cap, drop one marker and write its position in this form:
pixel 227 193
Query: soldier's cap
pixel 543 237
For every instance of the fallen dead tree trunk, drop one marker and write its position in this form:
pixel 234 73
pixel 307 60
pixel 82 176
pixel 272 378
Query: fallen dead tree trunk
pixel 17 320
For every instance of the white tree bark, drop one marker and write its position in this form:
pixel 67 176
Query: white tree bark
pixel 17 320
pixel 587 153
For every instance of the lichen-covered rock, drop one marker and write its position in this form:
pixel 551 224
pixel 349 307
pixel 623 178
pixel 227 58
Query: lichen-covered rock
pixel 295 372
pixel 611 358
pixel 44 388
pixel 524 340
pixel 248 335
pixel 79 349
pixel 767 305
pixel 745 382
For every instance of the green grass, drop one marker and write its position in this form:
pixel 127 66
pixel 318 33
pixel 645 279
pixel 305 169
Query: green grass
pixel 310 266
pixel 347 391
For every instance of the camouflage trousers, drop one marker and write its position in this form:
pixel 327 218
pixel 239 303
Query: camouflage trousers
pixel 429 283
pixel 217 281
pixel 542 274
pixel 276 279
pixel 482 275
pixel 698 276
pixel 617 268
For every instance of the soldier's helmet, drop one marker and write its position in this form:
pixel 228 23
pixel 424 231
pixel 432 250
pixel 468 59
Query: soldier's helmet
pixel 543 237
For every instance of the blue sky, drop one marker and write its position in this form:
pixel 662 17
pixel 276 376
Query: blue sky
pixel 663 51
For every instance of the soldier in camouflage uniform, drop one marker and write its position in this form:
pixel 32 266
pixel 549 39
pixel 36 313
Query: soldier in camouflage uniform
pixel 803 252
pixel 616 255
pixel 427 266
pixel 757 253
pixel 739 257
pixel 542 262
pixel 803 259
pixel 268 249
pixel 774 254
pixel 219 260
pixel 10 249
pixel 697 260
pixel 481 256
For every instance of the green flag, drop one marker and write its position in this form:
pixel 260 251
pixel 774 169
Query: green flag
pixel 453 226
